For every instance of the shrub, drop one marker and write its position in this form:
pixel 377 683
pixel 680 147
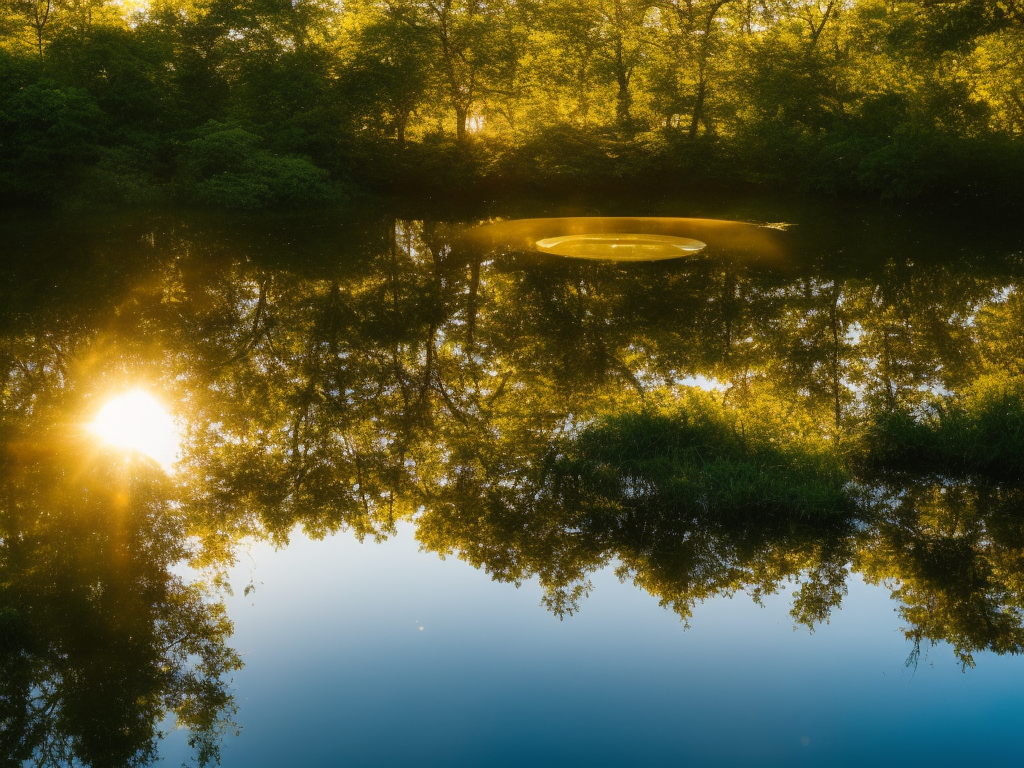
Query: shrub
pixel 122 175
pixel 47 135
pixel 698 460
pixel 226 167
pixel 981 432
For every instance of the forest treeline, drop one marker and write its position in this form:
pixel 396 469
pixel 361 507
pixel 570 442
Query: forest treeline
pixel 251 103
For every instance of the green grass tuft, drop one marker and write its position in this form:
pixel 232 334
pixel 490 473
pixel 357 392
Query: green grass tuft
pixel 979 433
pixel 697 460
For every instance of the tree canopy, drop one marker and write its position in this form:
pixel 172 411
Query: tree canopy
pixel 303 102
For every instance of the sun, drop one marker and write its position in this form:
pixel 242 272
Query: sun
pixel 137 421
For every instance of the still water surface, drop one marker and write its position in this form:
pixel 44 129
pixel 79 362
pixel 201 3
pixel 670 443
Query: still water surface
pixel 415 503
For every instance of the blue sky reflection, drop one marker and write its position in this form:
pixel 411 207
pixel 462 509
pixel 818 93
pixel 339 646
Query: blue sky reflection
pixel 338 672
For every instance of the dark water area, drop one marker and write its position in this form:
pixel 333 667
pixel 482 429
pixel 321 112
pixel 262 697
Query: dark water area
pixel 392 486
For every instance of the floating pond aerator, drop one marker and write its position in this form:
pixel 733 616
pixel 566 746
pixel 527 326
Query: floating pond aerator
pixel 629 239
pixel 615 246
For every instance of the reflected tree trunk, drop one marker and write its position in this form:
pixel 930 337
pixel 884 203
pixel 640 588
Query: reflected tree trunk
pixel 835 353
pixel 471 303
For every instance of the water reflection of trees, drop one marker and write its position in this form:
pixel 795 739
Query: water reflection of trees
pixel 422 376
pixel 648 494
pixel 100 641
pixel 952 552
pixel 411 378
pixel 422 370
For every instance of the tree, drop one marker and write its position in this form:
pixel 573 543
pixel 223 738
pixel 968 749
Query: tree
pixel 389 73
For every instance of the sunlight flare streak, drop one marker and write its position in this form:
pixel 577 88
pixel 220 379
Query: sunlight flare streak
pixel 137 421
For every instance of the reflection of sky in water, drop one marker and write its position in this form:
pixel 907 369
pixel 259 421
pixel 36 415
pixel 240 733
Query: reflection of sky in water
pixel 338 672
pixel 702 382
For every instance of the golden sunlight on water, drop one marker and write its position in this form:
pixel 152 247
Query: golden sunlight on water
pixel 623 238
pixel 615 246
pixel 136 421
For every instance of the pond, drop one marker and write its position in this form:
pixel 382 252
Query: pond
pixel 398 486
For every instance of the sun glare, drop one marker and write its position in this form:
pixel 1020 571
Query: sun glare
pixel 136 421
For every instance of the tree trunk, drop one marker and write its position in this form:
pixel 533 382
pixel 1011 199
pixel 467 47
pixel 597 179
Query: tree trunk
pixel 471 304
pixel 623 99
pixel 461 114
pixel 40 16
pixel 623 102
pixel 400 123
pixel 836 361
pixel 700 103
pixel 698 107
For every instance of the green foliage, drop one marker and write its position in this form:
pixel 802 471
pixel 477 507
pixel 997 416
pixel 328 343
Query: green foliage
pixel 561 154
pixel 953 549
pixel 226 167
pixel 16 735
pixel 698 460
pixel 122 175
pixel 99 640
pixel 980 432
pixel 889 99
pixel 125 73
pixel 47 136
pixel 389 75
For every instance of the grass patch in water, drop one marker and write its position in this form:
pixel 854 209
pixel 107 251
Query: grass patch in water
pixel 697 459
pixel 981 432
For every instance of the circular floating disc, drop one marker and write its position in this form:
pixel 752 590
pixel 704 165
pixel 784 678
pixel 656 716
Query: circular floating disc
pixel 614 246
